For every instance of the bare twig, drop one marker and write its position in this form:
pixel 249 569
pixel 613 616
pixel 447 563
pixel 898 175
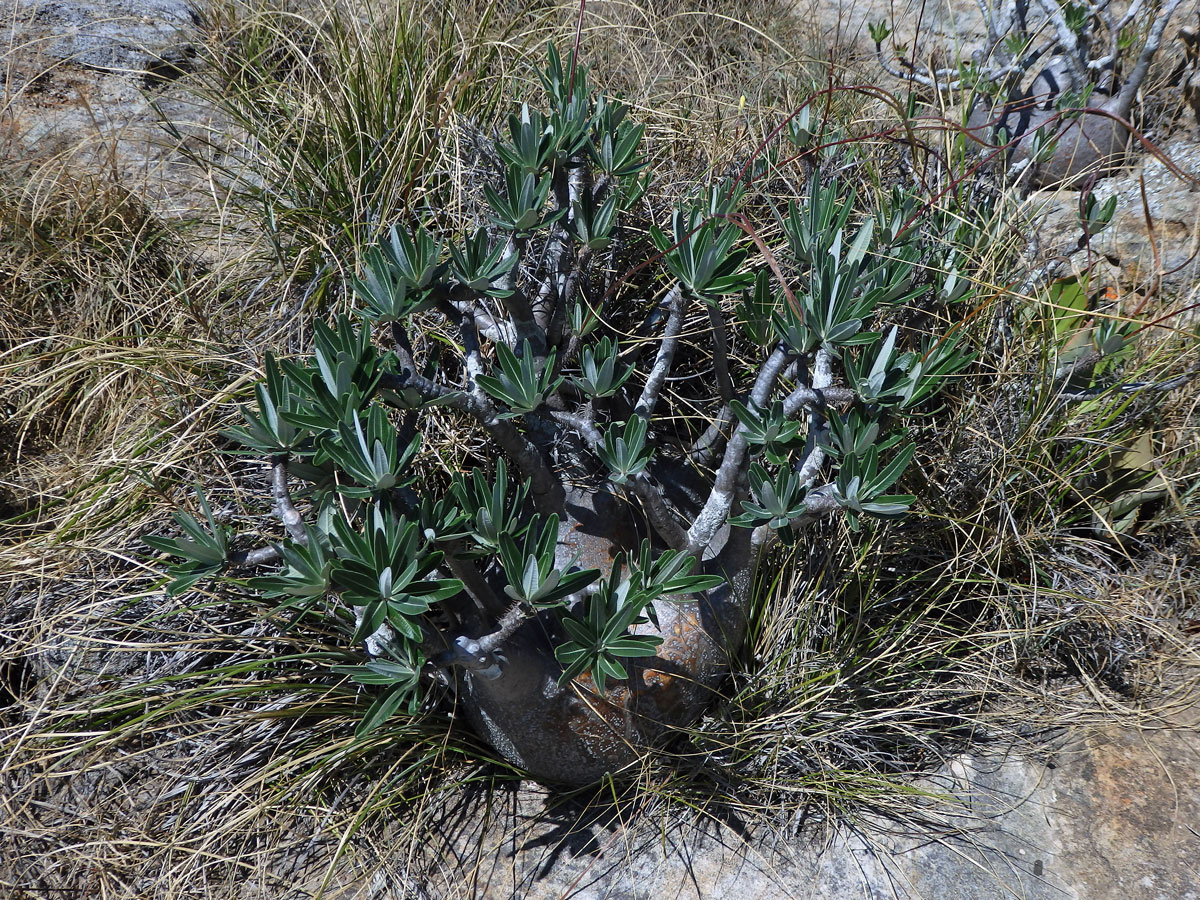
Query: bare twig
pixel 1131 387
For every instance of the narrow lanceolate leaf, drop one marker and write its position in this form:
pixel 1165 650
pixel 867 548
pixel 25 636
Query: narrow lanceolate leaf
pixel 624 450
pixel 521 384
pixel 204 550
pixel 533 577
pixel 891 473
pixel 386 705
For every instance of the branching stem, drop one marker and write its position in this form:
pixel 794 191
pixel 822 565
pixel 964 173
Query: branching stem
pixel 720 500
pixel 676 303
pixel 546 490
pixel 284 508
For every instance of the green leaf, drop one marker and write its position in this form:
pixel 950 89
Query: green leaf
pixel 703 256
pixel 769 429
pixel 520 207
pixel 308 570
pixel 755 311
pixel 270 431
pixel 599 376
pixel 497 509
pixel 530 568
pixel 625 452
pixel 522 383
pixel 385 706
pixel 480 268
pixel 204 550
pixel 371 456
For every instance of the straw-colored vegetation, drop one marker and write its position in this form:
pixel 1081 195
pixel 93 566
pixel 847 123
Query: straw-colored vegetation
pixel 204 744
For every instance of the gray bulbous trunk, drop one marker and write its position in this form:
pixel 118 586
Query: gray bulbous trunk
pixel 569 733
pixel 1092 143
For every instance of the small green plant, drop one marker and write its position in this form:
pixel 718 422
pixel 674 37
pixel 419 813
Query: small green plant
pixel 552 598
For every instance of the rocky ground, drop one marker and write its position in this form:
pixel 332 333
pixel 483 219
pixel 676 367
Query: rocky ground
pixel 1111 812
pixel 86 86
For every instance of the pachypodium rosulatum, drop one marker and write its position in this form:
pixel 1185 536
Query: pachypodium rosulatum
pixel 578 592
pixel 1050 86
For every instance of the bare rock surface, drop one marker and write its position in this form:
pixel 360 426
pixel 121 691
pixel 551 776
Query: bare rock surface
pixel 1113 815
pixel 1155 237
pixel 944 26
pixel 111 35
pixel 81 80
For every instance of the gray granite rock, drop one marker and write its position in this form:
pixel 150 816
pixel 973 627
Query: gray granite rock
pixel 114 35
pixel 1132 253
pixel 84 86
pixel 1114 815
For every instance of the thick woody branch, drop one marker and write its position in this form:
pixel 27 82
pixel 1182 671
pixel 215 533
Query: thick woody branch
pixel 260 556
pixel 582 424
pixel 768 376
pixel 661 518
pixel 724 490
pixel 720 353
pixel 820 501
pixel 1153 40
pixel 1067 39
pixel 803 397
pixel 567 264
pixel 676 303
pixel 478 655
pixel 477 586
pixel 706 447
pixel 822 380
pixel 471 355
pixel 570 286
pixel 520 311
pixel 465 301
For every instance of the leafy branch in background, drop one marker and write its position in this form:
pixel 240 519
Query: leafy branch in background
pixel 1052 83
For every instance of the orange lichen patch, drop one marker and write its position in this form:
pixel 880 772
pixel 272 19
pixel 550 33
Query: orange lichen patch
pixel 656 680
pixel 590 551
